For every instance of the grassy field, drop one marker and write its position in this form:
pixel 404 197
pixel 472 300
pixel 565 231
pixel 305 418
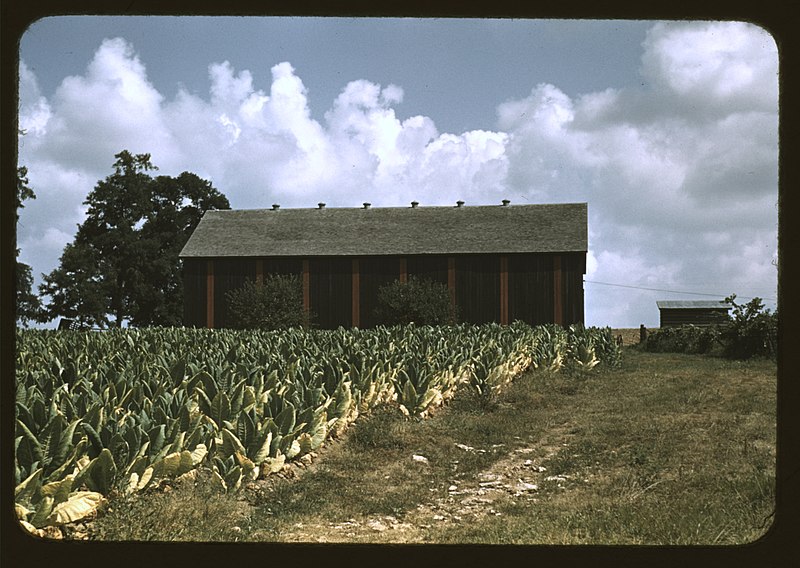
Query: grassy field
pixel 667 449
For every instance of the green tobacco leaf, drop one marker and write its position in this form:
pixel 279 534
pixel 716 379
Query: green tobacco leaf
pixel 286 419
pixel 77 452
pixel 178 372
pixel 100 474
pixel 157 437
pixel 409 397
pixel 259 451
pixel 65 444
pixel 305 441
pixel 43 509
pixel 94 439
pixel 231 444
pixel 59 490
pixel 26 491
pixel 177 444
pixel 220 409
pixel 29 450
pixel 233 478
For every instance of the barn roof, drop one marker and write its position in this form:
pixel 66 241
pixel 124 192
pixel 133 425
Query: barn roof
pixel 693 304
pixel 390 231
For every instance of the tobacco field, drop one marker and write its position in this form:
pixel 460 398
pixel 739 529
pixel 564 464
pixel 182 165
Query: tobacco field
pixel 100 414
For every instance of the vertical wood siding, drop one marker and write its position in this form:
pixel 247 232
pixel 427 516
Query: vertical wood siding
pixel 486 288
pixel 530 288
pixel 375 272
pixel 229 274
pixel 671 317
pixel 433 267
pixel 331 291
pixel 194 292
pixel 573 267
pixel 478 288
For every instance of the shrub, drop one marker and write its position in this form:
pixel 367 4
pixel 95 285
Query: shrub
pixel 753 331
pixel 684 339
pixel 419 300
pixel 277 303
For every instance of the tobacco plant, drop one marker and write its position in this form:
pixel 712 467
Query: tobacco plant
pixel 120 410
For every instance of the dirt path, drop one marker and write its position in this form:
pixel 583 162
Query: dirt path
pixel 519 476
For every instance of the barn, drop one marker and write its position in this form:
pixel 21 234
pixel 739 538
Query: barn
pixel 697 312
pixel 500 262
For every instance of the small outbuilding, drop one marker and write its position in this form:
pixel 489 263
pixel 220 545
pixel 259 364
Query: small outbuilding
pixel 696 312
pixel 500 263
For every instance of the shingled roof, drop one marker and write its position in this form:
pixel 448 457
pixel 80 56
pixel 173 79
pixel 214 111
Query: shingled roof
pixel 390 231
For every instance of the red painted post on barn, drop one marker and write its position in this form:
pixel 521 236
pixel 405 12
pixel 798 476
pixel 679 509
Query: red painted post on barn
pixel 403 270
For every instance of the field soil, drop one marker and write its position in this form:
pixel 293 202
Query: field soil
pixel 666 449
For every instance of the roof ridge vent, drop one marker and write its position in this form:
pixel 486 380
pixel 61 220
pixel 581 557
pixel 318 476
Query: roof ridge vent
pixel 366 205
pixel 459 203
pixel 506 202
pixel 275 206
pixel 321 205
pixel 414 204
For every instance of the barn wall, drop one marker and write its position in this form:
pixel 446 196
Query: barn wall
pixel 573 267
pixel 530 288
pixel 688 316
pixel 478 288
pixel 476 280
pixel 283 266
pixel 374 272
pixel 229 274
pixel 331 292
pixel 430 267
pixel 194 292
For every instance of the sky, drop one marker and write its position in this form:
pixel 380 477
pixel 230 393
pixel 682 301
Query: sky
pixel 668 130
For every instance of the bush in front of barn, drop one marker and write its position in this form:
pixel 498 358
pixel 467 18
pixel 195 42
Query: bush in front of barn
pixel 275 303
pixel 418 300
pixel 685 339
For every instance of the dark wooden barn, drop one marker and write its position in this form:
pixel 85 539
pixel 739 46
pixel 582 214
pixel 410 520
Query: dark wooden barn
pixel 698 312
pixel 500 263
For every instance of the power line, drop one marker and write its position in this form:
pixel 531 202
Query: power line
pixel 672 291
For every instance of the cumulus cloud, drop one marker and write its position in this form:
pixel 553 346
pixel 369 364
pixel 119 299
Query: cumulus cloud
pixel 680 175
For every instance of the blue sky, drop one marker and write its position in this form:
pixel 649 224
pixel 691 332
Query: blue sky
pixel 667 129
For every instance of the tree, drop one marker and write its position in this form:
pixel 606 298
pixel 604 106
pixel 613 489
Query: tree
pixel 124 259
pixel 28 305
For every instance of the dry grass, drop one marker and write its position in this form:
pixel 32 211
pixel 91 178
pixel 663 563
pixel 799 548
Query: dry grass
pixel 668 449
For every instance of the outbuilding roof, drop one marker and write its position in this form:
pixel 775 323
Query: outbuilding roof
pixel 368 231
pixel 693 304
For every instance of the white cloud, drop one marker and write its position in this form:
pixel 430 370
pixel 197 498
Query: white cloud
pixel 680 176
pixel 731 64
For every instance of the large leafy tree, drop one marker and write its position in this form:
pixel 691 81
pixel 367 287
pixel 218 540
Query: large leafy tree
pixel 28 305
pixel 124 261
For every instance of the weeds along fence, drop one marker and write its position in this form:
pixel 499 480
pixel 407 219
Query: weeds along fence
pixel 99 413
